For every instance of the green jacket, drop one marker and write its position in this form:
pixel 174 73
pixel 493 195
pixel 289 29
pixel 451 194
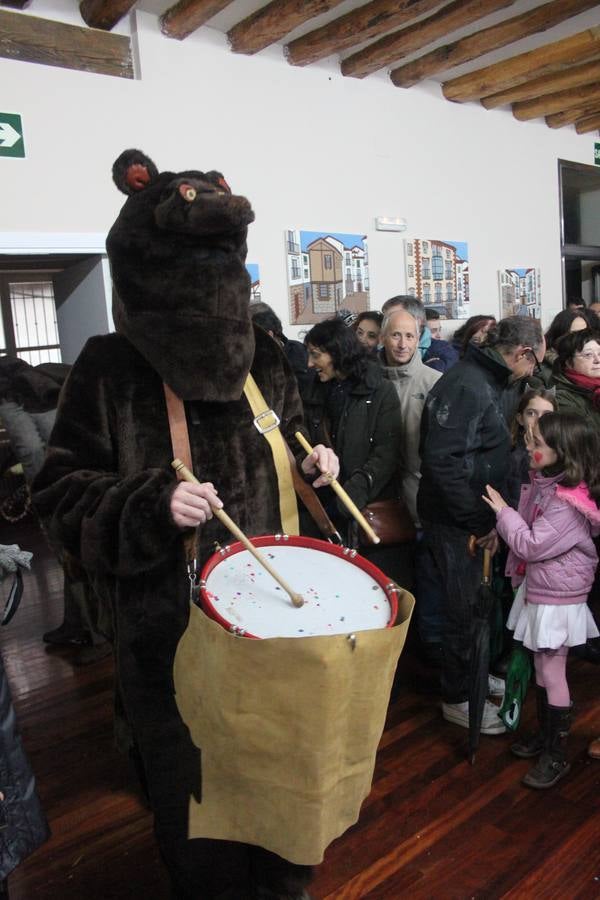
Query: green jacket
pixel 573 398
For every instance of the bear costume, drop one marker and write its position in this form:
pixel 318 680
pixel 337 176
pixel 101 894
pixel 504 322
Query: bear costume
pixel 181 311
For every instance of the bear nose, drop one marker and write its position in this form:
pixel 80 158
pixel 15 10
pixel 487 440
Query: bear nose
pixel 188 192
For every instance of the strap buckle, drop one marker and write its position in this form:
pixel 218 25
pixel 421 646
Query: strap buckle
pixel 265 429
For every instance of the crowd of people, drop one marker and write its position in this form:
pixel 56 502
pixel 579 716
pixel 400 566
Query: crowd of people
pixel 493 433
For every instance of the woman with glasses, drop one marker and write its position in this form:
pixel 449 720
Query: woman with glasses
pixel 577 374
pixel 564 322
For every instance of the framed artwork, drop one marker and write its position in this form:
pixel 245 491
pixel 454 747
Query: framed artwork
pixel 520 292
pixel 328 271
pixel 437 273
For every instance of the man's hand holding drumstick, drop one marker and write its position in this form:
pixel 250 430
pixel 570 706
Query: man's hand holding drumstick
pixel 322 459
pixel 192 504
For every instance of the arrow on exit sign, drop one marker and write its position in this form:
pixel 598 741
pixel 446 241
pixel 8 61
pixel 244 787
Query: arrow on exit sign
pixel 11 135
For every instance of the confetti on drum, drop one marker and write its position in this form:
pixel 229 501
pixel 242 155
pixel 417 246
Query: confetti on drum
pixel 339 596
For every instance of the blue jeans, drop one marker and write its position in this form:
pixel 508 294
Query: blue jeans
pixel 461 576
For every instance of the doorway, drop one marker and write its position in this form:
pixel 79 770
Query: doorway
pixel 51 304
pixel 580 231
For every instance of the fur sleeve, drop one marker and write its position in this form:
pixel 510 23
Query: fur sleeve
pixel 110 517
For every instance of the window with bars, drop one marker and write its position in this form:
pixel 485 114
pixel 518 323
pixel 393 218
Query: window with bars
pixel 28 328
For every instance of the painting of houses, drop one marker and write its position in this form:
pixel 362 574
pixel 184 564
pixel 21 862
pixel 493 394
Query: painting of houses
pixel 520 292
pixel 437 272
pixel 327 271
pixel 253 272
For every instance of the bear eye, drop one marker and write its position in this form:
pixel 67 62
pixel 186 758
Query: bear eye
pixel 187 192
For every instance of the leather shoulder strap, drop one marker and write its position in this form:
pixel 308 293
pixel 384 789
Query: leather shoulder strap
pixel 180 438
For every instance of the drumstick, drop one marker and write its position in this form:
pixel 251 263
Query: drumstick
pixel 186 475
pixel 344 497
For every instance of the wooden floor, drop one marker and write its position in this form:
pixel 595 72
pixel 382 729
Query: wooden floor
pixel 433 826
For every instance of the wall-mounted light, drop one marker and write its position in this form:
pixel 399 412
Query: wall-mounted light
pixel 390 223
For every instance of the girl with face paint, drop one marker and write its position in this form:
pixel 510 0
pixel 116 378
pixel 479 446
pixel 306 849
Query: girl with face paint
pixel 534 403
pixel 552 561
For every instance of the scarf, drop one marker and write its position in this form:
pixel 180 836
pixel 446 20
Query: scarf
pixel 425 341
pixel 585 381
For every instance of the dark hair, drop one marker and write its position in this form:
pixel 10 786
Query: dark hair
pixel 464 334
pixel 346 351
pixel 368 314
pixel 514 331
pixel 573 343
pixel 548 394
pixel 267 319
pixel 562 321
pixel 431 314
pixel 576 442
pixel 577 302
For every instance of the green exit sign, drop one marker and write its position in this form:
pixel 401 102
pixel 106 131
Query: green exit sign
pixel 11 135
pixel 597 153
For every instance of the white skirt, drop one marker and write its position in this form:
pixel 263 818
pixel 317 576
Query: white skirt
pixel 548 626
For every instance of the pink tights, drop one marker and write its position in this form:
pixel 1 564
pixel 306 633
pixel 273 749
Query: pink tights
pixel 551 673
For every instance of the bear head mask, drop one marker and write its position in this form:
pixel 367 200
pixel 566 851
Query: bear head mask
pixel 181 291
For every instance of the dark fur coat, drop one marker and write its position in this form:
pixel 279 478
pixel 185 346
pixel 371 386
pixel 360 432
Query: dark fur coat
pixel 107 483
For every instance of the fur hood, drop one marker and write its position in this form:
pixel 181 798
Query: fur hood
pixel 580 498
pixel 181 290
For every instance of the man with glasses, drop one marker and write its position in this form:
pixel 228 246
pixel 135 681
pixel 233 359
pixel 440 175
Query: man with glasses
pixel 465 444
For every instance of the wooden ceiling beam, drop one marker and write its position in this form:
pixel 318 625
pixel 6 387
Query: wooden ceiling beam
pixel 568 116
pixel 395 46
pixel 49 43
pixel 272 22
pixel 15 4
pixel 181 20
pixel 472 46
pixel 509 72
pixel 547 84
pixel 355 27
pixel 590 123
pixel 585 95
pixel 104 14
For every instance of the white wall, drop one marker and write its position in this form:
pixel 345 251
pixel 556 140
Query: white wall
pixel 360 149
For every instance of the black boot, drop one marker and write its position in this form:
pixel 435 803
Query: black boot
pixel 552 764
pixel 531 746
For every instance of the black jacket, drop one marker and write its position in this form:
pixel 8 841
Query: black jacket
pixel 368 437
pixel 465 443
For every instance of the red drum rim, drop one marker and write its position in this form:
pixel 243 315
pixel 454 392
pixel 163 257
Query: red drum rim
pixel 268 540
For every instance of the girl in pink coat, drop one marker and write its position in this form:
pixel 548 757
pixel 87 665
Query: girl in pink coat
pixel 552 560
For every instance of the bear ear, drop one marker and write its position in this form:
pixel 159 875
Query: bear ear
pixel 219 179
pixel 133 171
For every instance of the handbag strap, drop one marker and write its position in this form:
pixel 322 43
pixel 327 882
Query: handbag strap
pixel 267 423
pixel 314 506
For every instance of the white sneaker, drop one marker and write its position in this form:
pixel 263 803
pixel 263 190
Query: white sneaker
pixel 496 686
pixel 458 713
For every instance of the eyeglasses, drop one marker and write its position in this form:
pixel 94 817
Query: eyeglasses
pixel 589 355
pixel 537 367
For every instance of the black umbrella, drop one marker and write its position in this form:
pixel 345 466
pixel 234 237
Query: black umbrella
pixel 480 654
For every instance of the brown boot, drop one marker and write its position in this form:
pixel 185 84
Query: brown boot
pixel 552 764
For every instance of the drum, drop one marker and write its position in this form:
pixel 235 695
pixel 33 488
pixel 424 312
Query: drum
pixel 342 591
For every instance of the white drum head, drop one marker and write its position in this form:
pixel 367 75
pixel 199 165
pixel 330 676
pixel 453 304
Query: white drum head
pixel 339 596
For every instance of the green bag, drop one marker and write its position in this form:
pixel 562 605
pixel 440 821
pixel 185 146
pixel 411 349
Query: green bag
pixel 518 676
